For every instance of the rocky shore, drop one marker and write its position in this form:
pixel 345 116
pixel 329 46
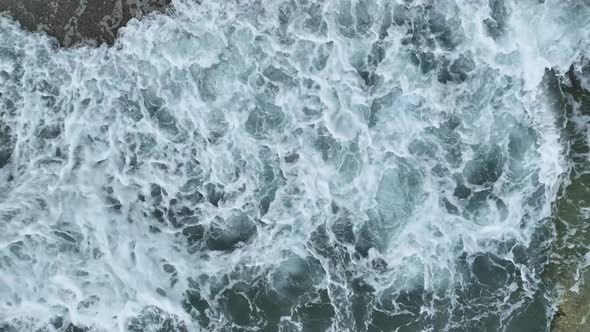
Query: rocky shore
pixel 75 22
pixel 568 271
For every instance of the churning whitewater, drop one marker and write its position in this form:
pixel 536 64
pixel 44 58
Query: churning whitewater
pixel 285 166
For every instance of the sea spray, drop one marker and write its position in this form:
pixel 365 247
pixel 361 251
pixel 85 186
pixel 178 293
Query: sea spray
pixel 285 165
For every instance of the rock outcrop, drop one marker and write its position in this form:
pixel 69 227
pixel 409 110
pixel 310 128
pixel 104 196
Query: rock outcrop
pixel 75 22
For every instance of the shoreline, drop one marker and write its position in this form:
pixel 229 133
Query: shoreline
pixel 566 279
pixel 80 22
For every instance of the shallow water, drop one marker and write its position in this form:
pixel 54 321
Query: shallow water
pixel 287 166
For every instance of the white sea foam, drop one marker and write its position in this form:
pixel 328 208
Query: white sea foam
pixel 391 109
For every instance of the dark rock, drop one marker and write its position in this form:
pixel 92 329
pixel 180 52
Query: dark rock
pixel 79 21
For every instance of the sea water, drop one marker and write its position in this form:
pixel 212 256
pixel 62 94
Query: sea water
pixel 286 166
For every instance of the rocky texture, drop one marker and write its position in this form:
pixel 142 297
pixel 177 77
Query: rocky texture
pixel 567 270
pixel 74 22
pixel 574 309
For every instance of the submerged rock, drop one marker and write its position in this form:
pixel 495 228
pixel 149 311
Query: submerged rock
pixel 79 21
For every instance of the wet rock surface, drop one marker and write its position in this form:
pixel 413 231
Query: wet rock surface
pixel 75 22
pixel 567 270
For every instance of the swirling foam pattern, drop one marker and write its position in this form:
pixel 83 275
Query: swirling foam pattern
pixel 285 166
